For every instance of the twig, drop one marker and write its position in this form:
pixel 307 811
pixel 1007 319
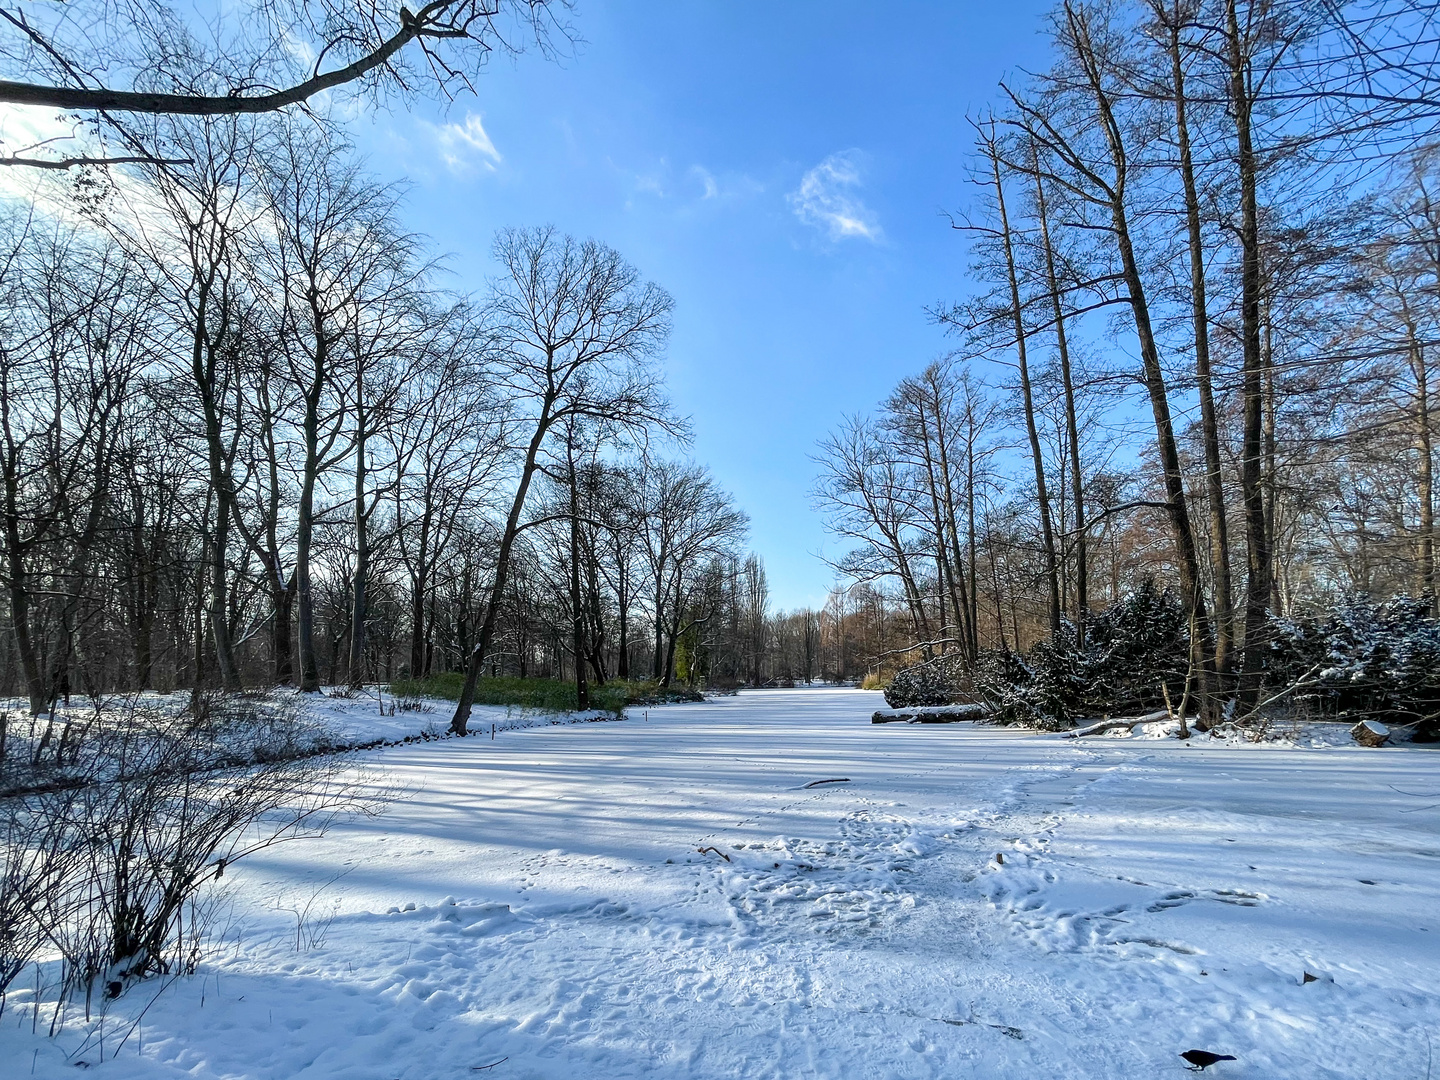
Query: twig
pixel 1416 794
pixel 917 645
pixel 1296 685
pixel 164 986
pixel 482 1068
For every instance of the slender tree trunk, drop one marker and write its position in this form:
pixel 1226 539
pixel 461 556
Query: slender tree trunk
pixel 305 526
pixel 459 722
pixel 201 607
pixel 1271 473
pixel 304 534
pixel 204 366
pixel 656 661
pixel 1047 530
pixel 1257 585
pixel 944 579
pixel 1189 564
pixel 417 628
pixel 17 572
pixel 1424 445
pixel 144 630
pixel 360 599
pixel 971 540
pixel 419 592
pixel 622 596
pixel 1209 421
pixel 577 614
pixel 142 574
pixel 1072 426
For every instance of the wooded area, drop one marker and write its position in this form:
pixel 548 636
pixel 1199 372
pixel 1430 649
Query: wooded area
pixel 248 439
pixel 1207 263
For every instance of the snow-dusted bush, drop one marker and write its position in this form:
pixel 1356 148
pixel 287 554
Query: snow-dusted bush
pixel 1131 649
pixel 1364 659
pixel 940 681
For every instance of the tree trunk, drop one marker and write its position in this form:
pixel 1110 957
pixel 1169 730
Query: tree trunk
pixel 1271 474
pixel 17 585
pixel 282 661
pixel 1154 377
pixel 622 596
pixel 1424 445
pixel 1072 427
pixel 203 367
pixel 304 534
pixel 359 599
pixel 577 620
pixel 1209 422
pixel 459 722
pixel 1257 584
pixel 970 536
pixel 1052 569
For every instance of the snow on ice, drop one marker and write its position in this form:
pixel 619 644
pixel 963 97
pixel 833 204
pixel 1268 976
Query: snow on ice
pixel 667 898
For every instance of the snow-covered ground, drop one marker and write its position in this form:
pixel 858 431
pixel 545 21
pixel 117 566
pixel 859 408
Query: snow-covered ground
pixel 541 902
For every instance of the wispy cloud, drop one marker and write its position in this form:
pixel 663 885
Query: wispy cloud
pixel 827 198
pixel 709 188
pixel 463 145
pixel 686 190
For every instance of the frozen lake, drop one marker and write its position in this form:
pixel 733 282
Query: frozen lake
pixel 543 898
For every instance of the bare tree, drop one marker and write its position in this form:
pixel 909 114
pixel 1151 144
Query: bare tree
pixel 575 331
pixel 687 520
pixel 337 262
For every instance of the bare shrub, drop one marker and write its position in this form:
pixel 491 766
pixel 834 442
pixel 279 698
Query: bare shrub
pixel 109 845
pixel 42 854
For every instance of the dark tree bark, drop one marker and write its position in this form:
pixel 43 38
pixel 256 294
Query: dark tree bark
pixel 1200 323
pixel 1259 559
pixel 1027 397
pixel 1072 426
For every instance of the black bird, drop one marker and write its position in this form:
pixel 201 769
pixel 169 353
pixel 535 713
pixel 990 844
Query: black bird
pixel 1203 1059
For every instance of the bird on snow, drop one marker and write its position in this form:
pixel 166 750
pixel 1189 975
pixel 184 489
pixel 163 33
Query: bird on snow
pixel 1202 1059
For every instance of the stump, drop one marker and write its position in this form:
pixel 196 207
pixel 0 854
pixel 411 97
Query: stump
pixel 1370 733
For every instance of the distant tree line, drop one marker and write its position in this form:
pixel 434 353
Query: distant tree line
pixel 1206 265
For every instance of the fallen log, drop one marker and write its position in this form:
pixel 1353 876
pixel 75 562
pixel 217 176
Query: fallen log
pixel 930 714
pixel 1112 725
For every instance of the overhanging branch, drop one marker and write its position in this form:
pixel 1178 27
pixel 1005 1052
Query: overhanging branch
pixel 136 101
pixel 62 164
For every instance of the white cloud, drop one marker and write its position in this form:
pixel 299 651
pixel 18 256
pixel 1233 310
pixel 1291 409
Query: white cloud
pixel 710 189
pixel 461 144
pixel 826 198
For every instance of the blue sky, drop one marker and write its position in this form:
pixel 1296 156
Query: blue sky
pixel 781 169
